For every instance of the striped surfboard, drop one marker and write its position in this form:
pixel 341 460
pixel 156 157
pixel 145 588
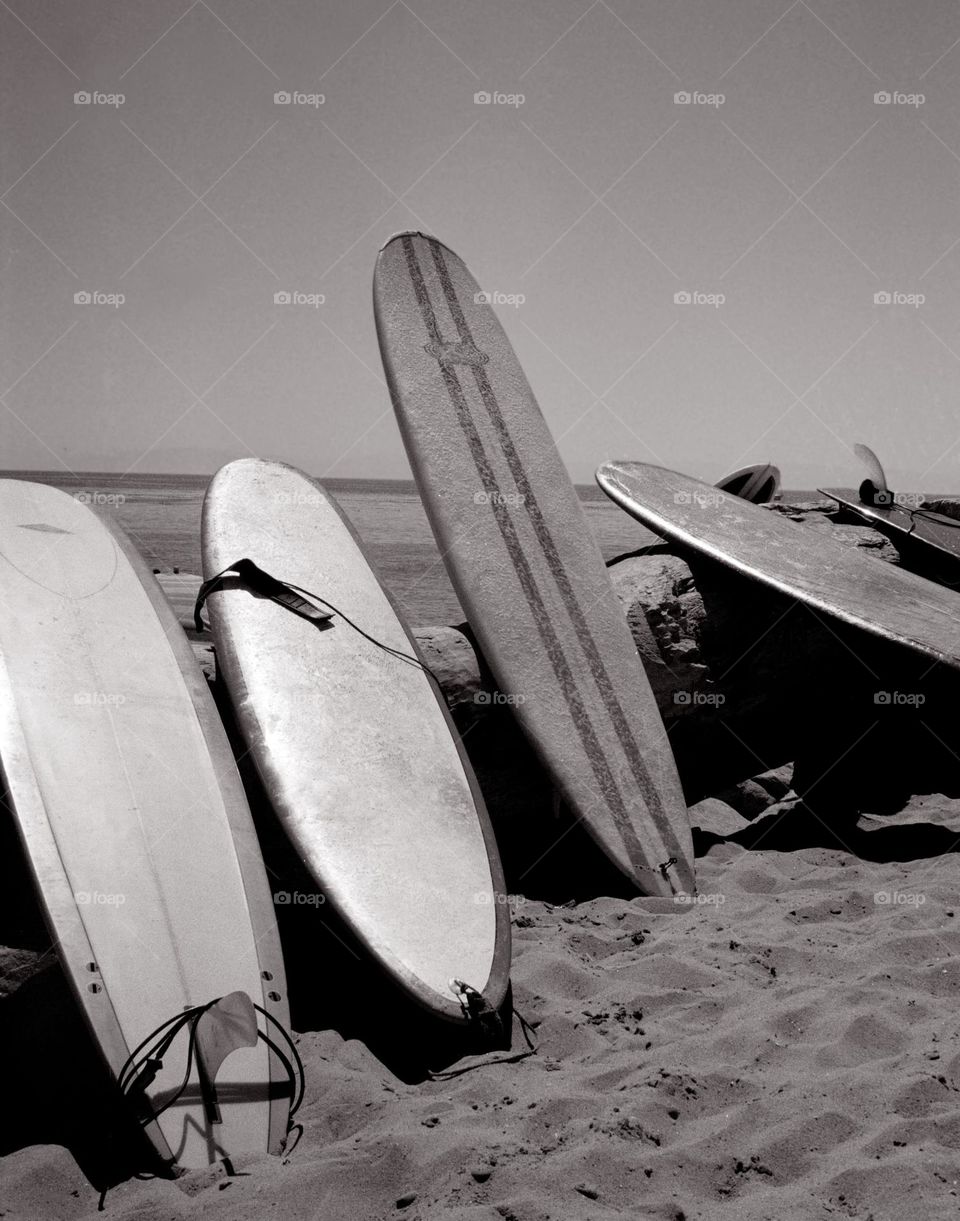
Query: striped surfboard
pixel 525 566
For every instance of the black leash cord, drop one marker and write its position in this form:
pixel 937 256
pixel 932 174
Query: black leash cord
pixel 398 653
pixel 262 582
pixel 130 1075
pixel 297 1073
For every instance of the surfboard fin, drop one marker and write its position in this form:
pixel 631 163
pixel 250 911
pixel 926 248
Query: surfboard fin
pixel 874 490
pixel 229 1023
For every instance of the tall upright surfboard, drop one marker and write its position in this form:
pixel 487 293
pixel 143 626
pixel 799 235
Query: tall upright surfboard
pixel 126 796
pixel 353 744
pixel 521 557
pixel 835 580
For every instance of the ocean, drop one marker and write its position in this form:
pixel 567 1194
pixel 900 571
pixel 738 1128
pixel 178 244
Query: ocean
pixel 161 514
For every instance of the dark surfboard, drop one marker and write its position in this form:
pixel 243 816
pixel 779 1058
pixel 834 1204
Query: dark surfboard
pixel 928 542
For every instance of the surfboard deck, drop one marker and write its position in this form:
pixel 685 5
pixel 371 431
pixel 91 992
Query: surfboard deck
pixel 926 539
pixel 355 747
pixel 132 815
pixel 524 564
pixel 825 574
pixel 758 483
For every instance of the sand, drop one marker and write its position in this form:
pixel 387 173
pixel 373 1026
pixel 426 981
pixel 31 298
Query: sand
pixel 786 1047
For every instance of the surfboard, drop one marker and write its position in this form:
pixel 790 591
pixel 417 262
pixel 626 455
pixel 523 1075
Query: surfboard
pixel 353 743
pixel 759 483
pixel 527 570
pixel 135 825
pixel 926 540
pixel 765 546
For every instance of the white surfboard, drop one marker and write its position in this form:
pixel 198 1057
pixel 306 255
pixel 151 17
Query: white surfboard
pixel 133 818
pixel 353 745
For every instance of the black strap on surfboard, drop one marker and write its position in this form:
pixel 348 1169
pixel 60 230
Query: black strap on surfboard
pixel 294 598
pixel 145 1062
pixel 262 583
pixel 487 1022
pixel 878 498
pixel 142 1065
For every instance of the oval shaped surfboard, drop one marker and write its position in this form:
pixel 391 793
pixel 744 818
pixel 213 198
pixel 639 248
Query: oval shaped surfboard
pixel 786 556
pixel 521 557
pixel 134 821
pixel 354 746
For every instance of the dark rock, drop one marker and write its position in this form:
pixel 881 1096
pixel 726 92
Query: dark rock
pixel 748 798
pixel 17 966
pixel 452 657
pixel 778 781
pixel 948 508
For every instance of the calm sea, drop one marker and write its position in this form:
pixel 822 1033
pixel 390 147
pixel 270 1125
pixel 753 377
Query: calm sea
pixel 161 513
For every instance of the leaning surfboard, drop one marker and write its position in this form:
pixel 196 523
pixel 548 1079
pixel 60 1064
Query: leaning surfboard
pixel 521 557
pixel 136 828
pixel 835 580
pixel 353 744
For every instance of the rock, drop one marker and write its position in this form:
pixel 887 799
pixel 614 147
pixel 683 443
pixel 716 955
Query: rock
pixel 665 614
pixel 854 535
pixel 453 658
pixel 716 817
pixel 778 781
pixel 800 509
pixel 749 798
pixel 947 508
pixel 18 965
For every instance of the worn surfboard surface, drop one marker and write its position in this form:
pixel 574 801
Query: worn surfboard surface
pixel 758 483
pixel 126 796
pixel 927 540
pixel 525 566
pixel 354 746
pixel 784 555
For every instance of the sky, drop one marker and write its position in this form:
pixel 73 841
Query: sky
pixel 724 233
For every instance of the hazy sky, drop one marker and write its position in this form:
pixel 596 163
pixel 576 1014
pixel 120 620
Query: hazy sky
pixel 782 197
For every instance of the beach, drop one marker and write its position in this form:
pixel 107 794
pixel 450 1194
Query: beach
pixel 782 1045
pixel 785 1049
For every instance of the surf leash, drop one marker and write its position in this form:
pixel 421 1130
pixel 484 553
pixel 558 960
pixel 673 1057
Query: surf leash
pixel 142 1066
pixel 486 1021
pixel 478 1011
pixel 882 499
pixel 664 867
pixel 294 598
pixel 260 582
